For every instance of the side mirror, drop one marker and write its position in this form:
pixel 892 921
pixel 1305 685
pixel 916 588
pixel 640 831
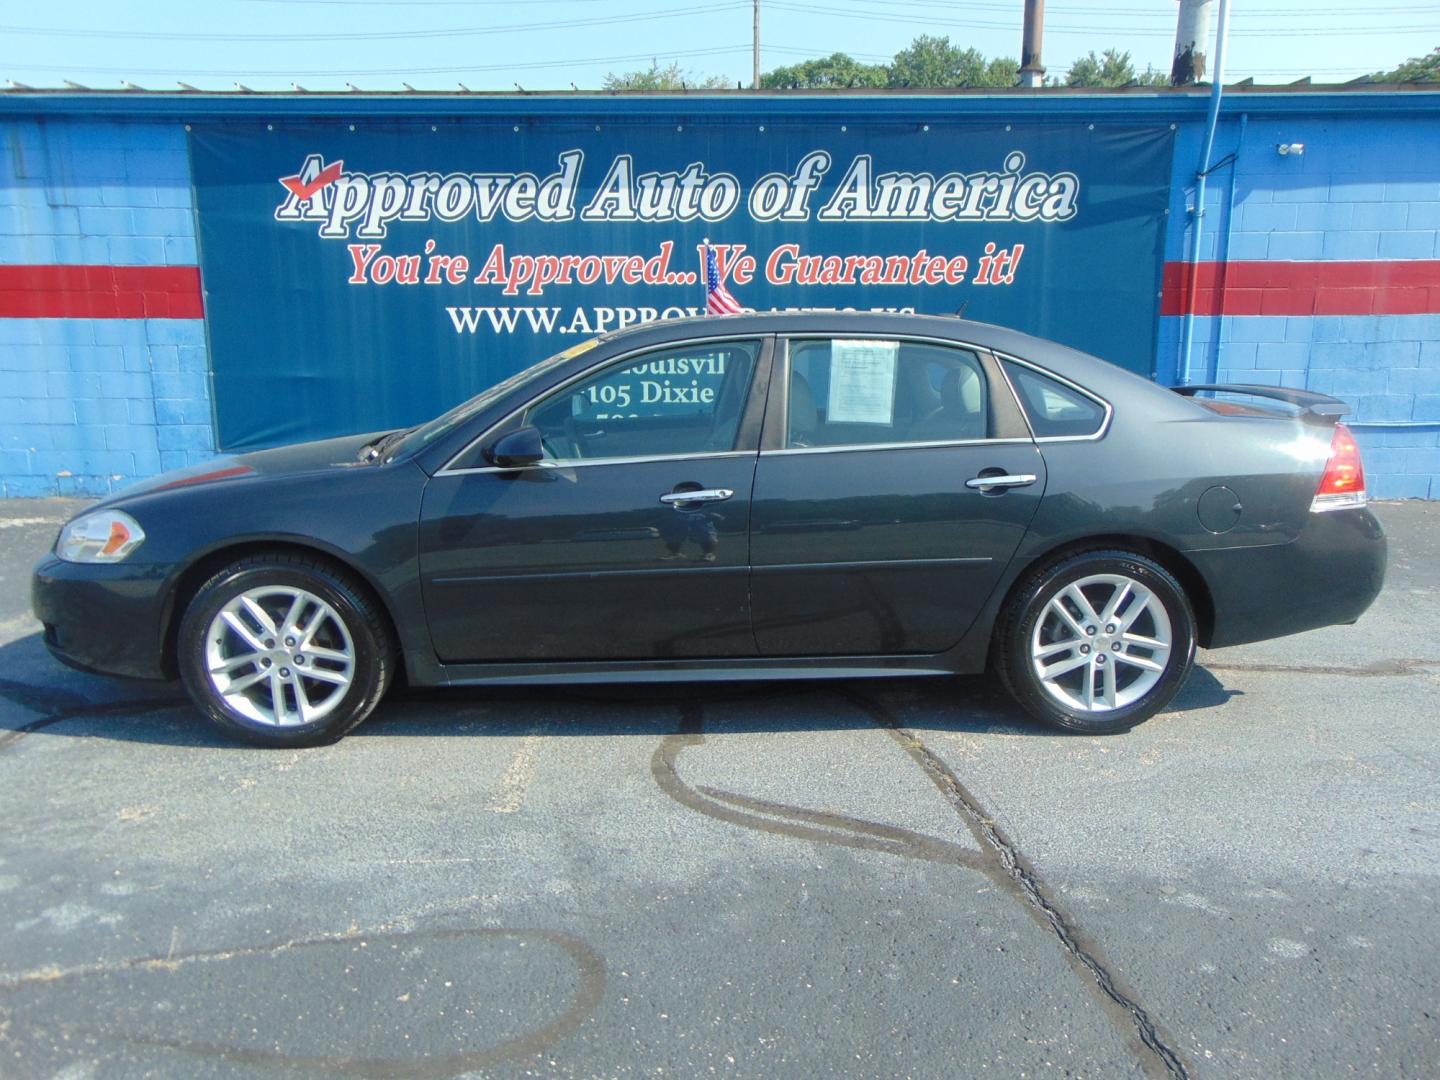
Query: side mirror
pixel 517 449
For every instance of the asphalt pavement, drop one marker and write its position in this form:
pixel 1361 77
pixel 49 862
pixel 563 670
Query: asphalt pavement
pixel 902 878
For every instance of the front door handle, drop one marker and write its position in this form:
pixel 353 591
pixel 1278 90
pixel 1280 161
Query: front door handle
pixel 680 498
pixel 985 483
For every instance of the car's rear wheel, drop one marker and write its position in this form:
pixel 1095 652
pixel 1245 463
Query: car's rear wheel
pixel 1098 642
pixel 284 650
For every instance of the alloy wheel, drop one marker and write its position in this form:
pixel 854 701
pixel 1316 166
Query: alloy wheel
pixel 280 655
pixel 1101 643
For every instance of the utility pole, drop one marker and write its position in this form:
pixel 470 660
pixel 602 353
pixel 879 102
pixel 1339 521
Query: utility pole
pixel 1032 72
pixel 1192 35
pixel 1202 172
pixel 755 49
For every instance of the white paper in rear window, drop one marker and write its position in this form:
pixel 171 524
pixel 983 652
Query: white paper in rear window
pixel 862 382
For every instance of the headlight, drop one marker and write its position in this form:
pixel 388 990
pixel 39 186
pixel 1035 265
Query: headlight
pixel 105 536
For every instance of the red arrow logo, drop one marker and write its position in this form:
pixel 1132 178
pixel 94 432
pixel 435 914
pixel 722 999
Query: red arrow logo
pixel 324 177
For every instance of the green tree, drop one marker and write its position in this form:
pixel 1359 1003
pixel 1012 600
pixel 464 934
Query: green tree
pixel 1111 68
pixel 835 71
pixel 933 62
pixel 1416 69
pixel 671 77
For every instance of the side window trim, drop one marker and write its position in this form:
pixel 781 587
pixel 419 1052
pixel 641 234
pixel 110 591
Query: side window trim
pixel 747 434
pixel 1099 432
pixel 595 463
pixel 773 437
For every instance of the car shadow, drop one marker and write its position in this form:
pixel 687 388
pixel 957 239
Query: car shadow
pixel 38 695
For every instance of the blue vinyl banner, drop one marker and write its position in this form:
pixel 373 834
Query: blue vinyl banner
pixel 365 279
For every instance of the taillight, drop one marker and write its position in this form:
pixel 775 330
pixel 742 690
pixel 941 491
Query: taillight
pixel 1344 481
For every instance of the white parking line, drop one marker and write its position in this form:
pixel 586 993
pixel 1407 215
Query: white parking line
pixel 15 523
pixel 509 793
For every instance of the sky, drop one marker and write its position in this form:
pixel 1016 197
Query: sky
pixel 552 44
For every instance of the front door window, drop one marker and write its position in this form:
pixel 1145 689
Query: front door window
pixel 676 401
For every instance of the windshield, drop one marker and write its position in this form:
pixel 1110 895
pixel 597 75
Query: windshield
pixel 420 437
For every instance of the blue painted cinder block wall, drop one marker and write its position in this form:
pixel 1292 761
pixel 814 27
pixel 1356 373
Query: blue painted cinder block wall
pixel 1366 188
pixel 89 405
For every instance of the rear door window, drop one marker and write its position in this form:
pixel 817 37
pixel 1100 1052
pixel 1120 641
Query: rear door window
pixel 865 392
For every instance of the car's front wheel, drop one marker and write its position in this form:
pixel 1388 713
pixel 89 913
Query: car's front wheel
pixel 284 650
pixel 1098 642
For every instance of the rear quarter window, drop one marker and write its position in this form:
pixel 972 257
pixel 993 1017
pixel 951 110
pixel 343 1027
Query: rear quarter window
pixel 1054 409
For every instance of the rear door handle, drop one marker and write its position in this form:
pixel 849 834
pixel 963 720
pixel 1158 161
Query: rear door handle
pixel 705 495
pixel 984 483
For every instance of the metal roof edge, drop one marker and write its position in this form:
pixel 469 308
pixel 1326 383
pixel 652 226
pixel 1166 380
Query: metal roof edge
pixel 1125 103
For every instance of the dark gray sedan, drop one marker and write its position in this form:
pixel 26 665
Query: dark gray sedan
pixel 748 497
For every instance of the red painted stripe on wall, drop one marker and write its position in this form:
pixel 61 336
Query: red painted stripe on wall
pixel 1401 287
pixel 101 292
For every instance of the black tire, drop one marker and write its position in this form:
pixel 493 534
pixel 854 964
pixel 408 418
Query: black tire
pixel 350 602
pixel 1017 631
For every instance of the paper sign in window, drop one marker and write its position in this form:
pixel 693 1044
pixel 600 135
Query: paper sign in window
pixel 862 382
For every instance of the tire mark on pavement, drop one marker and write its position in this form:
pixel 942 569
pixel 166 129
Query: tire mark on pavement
pixel 998 859
pixel 818 826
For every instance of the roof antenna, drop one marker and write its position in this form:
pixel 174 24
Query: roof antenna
pixel 960 311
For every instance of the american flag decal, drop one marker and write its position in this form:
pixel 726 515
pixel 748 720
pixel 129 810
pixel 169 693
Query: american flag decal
pixel 718 300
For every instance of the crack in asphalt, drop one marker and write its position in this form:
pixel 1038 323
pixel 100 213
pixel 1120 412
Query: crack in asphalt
pixel 1373 670
pixel 61 705
pixel 1032 889
pixel 582 1004
pixel 1004 865
pixel 45 699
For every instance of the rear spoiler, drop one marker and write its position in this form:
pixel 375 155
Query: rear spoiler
pixel 1320 406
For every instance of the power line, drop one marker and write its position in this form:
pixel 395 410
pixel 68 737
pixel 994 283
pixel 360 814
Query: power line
pixel 1052 27
pixel 422 3
pixel 462 31
pixel 860 11
pixel 736 50
pixel 809 52
pixel 360 72
pixel 999 5
pixel 1150 13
